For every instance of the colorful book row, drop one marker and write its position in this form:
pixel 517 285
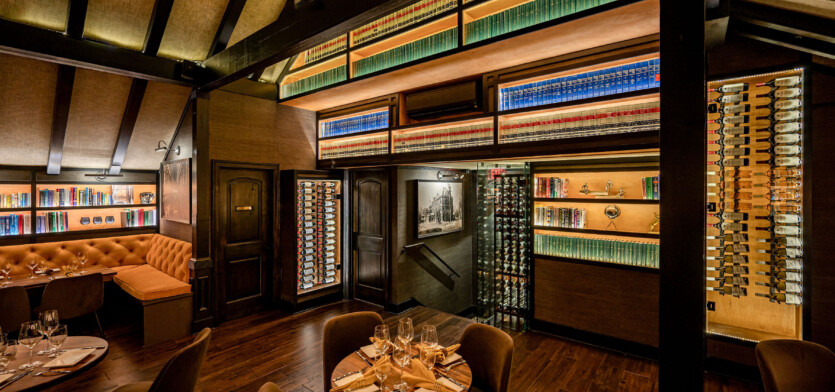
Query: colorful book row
pixel 52 222
pixel 355 124
pixel 650 188
pixel 443 138
pixel 326 49
pixel 73 197
pixel 313 82
pixel 138 217
pixel 15 200
pixel 405 17
pixel 609 251
pixel 636 76
pixel 582 123
pixel 552 187
pixel 414 50
pixel 15 224
pixel 525 15
pixel 354 147
pixel 572 218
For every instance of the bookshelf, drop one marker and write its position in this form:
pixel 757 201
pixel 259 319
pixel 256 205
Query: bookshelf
pixel 452 135
pixel 314 76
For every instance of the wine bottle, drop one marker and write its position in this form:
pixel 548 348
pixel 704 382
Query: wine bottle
pixel 730 131
pixel 731 248
pixel 789 241
pixel 306 184
pixel 305 191
pixel 788 81
pixel 329 203
pixel 783 252
pixel 788 138
pixel 732 237
pixel 781 150
pixel 789 264
pixel 306 204
pixel 783 275
pixel 730 88
pixel 730 269
pixel 307 197
pixel 729 259
pixel 729 280
pixel 735 291
pixel 788 287
pixel 787 298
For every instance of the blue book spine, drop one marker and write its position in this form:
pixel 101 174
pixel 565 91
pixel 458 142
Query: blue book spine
pixel 644 77
pixel 632 86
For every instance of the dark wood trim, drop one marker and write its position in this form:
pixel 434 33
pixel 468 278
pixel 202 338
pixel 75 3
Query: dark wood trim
pixel 602 232
pixel 156 26
pixel 137 93
pixel 98 233
pixel 75 20
pixel 791 39
pixel 609 201
pixel 201 197
pixel 560 105
pixel 284 71
pixel 92 207
pixel 594 263
pixel 596 340
pixel 371 132
pixel 186 112
pixel 227 26
pixel 60 115
pixel 388 35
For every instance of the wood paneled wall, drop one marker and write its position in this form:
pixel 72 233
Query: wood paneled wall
pixel 183 139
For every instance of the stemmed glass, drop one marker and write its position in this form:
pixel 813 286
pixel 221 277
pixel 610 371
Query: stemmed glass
pixel 429 340
pixel 57 338
pixel 29 336
pixel 32 263
pixel 6 269
pixel 49 322
pixel 4 359
pixel 382 371
pixel 402 356
pixel 405 332
pixel 381 341
pixel 81 257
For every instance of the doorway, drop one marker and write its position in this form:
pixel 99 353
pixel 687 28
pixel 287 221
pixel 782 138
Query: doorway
pixel 370 232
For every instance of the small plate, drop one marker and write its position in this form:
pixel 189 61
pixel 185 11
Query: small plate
pixel 69 358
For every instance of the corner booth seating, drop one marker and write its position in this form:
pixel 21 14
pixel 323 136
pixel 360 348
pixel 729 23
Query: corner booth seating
pixel 152 268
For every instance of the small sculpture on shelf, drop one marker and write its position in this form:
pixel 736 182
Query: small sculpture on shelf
pixel 612 211
pixel 607 194
pixel 146 197
pixel 653 226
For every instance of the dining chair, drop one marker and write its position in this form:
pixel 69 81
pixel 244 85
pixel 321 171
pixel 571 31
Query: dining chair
pixel 489 352
pixel 74 297
pixel 344 335
pixel 180 373
pixel 788 365
pixel 269 387
pixel 15 304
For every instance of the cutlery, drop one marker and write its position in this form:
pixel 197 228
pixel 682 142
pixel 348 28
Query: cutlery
pixel 463 388
pixel 363 358
pixel 43 352
pixel 345 375
pixel 454 364
pixel 13 379
pixel 57 372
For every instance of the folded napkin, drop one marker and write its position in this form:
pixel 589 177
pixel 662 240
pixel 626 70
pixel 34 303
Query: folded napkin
pixel 441 354
pixel 4 377
pixel 367 379
pixel 370 351
pixel 422 377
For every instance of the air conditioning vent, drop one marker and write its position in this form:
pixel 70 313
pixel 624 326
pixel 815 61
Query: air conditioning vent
pixel 459 98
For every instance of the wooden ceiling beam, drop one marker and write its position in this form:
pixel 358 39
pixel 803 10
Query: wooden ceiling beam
pixel 137 92
pixel 156 26
pixel 227 26
pixel 76 18
pixel 28 41
pixel 308 27
pixel 797 30
pixel 60 114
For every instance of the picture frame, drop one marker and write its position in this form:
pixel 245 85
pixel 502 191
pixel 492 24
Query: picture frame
pixel 439 207
pixel 175 187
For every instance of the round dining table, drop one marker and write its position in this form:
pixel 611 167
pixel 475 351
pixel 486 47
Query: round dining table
pixel 30 382
pixel 459 373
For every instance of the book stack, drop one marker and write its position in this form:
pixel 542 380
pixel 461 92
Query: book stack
pixel 525 15
pixel 550 187
pixel 138 217
pixel 52 222
pixel 414 50
pixel 15 200
pixel 572 218
pixel 582 123
pixel 73 197
pixel 326 49
pixel 443 138
pixel 625 78
pixel 355 124
pixel 650 188
pixel 15 224
pixel 313 82
pixel 609 251
pixel 377 144
pixel 395 21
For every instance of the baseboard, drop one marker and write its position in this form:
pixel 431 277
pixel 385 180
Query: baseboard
pixel 402 307
pixel 311 303
pixel 594 339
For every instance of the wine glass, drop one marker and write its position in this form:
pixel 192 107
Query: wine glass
pixel 49 321
pixel 81 257
pixel 403 357
pixel 57 338
pixel 429 341
pixel 29 336
pixel 381 341
pixel 382 371
pixel 31 264
pixel 405 332
pixel 6 269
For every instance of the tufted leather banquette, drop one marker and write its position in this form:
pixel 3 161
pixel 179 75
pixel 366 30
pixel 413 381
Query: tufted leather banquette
pixel 165 273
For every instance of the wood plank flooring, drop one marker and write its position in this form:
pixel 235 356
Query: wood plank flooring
pixel 286 349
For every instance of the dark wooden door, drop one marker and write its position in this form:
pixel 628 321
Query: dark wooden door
pixel 370 226
pixel 244 234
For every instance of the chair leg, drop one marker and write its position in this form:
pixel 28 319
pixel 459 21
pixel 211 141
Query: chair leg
pixel 101 331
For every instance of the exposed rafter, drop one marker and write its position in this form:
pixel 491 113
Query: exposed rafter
pixel 75 19
pixel 60 114
pixel 227 26
pixel 156 27
pixel 137 92
pixel 791 29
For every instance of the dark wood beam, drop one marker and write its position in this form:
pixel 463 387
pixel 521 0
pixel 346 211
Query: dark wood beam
pixel 256 76
pixel 156 27
pixel 137 92
pixel 75 19
pixel 60 114
pixel 784 39
pixel 787 21
pixel 285 70
pixel 227 26
pixel 309 26
pixel 42 44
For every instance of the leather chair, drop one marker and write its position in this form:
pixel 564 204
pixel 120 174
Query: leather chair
pixel 180 372
pixel 269 387
pixel 344 335
pixel 790 365
pixel 74 297
pixel 15 304
pixel 489 352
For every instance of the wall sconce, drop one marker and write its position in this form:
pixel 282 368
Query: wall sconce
pixel 162 146
pixel 444 175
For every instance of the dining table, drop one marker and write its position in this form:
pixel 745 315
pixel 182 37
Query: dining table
pixel 459 371
pixel 41 279
pixel 30 381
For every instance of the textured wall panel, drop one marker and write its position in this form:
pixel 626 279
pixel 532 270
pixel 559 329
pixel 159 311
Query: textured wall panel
pixel 120 23
pixel 191 28
pixel 49 14
pixel 158 117
pixel 256 15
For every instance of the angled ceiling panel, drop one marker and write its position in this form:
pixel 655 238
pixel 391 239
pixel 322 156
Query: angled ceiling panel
pixel 158 117
pixel 272 72
pixel 119 23
pixel 49 14
pixel 191 28
pixel 96 109
pixel 27 97
pixel 256 15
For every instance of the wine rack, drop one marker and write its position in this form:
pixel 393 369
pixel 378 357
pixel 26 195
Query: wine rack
pixel 503 260
pixel 755 205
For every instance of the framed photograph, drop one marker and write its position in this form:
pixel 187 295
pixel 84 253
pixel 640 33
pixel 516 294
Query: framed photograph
pixel 176 190
pixel 440 207
pixel 122 194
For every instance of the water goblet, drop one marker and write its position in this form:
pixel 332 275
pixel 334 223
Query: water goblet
pixel 29 336
pixel 381 341
pixel 82 259
pixel 49 321
pixel 405 331
pixel 403 357
pixel 32 263
pixel 57 338
pixel 382 371
pixel 6 269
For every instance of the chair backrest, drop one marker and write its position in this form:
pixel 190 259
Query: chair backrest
pixel 344 335
pixel 269 387
pixel 790 365
pixel 73 297
pixel 489 352
pixel 15 308
pixel 169 255
pixel 180 372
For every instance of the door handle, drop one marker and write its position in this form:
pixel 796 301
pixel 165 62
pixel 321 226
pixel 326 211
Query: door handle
pixel 243 208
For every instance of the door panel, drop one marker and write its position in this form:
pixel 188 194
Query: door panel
pixel 370 226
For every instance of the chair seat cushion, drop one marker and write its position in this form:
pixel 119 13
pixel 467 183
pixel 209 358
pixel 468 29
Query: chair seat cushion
pixel 147 283
pixel 124 267
pixel 144 386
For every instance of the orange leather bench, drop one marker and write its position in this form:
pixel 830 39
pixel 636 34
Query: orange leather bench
pixel 150 267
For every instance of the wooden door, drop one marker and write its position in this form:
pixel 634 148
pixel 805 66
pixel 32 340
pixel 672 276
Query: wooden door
pixel 244 205
pixel 370 226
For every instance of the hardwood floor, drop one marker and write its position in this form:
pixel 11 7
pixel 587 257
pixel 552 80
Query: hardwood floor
pixel 286 349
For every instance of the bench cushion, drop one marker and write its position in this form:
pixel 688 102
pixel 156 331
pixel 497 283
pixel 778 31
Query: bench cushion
pixel 169 255
pixel 147 283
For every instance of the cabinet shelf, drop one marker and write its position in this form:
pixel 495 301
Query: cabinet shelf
pixel 614 98
pixel 154 206
pixel 597 263
pixel 582 200
pixel 18 209
pixel 600 232
pixel 414 26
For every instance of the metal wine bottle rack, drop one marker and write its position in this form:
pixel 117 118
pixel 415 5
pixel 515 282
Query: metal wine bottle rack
pixel 318 214
pixel 503 262
pixel 755 191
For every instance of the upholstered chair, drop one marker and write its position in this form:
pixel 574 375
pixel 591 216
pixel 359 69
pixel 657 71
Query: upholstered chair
pixel 15 308
pixel 489 352
pixel 789 365
pixel 181 371
pixel 74 297
pixel 269 387
pixel 344 335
